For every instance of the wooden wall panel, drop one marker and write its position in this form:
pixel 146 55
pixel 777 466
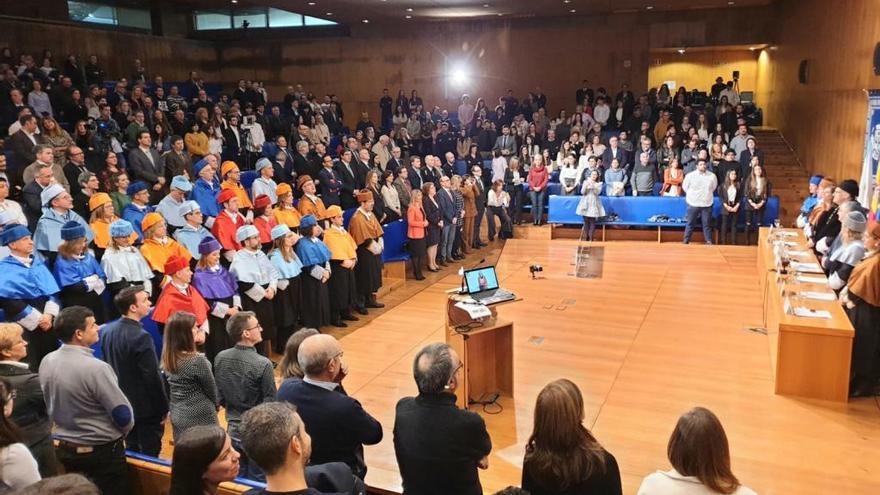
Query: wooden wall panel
pixel 172 58
pixel 824 120
pixel 698 69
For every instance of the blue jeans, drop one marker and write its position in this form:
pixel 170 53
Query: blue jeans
pixel 537 204
pixel 703 212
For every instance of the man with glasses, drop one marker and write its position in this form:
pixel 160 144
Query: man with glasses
pixel 245 379
pixel 338 423
pixel 438 446
pixel 57 210
pixel 76 165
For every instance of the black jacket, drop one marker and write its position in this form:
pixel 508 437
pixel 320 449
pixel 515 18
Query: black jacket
pixel 438 446
pixel 349 184
pixel 29 409
pixel 129 350
pixel 599 483
pixel 337 423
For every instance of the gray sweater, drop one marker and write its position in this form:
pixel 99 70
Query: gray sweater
pixel 643 178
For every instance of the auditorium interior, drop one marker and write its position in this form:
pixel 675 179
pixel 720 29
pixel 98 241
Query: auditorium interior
pixel 419 247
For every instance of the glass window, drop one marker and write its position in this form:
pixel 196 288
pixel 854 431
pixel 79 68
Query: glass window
pixel 207 20
pixel 93 13
pixel 283 18
pixel 315 21
pixel 256 18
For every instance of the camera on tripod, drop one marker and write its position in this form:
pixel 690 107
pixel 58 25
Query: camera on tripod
pixel 533 269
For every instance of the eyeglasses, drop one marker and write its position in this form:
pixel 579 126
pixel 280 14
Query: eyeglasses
pixel 260 327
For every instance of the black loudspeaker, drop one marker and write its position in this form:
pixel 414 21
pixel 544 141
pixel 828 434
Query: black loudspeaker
pixel 803 72
pixel 877 59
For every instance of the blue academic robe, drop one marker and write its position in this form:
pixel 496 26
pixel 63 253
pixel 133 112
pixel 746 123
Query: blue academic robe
pixel 19 283
pixel 135 216
pixel 47 236
pixel 205 194
pixel 69 273
pixel 190 238
pixel 312 251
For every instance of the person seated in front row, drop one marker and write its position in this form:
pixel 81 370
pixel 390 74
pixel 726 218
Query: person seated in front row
pixel 700 458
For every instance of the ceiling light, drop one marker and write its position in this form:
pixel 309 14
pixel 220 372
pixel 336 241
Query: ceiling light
pixel 365 21
pixel 329 13
pixel 680 51
pixel 409 17
pixel 234 1
pixel 566 1
pixel 572 11
pixel 311 3
pixel 731 3
pixel 409 10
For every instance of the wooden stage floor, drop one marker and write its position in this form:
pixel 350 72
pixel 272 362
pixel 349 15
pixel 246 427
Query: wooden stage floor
pixel 664 329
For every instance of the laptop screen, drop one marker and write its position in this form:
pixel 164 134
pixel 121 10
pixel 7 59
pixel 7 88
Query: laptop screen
pixel 481 279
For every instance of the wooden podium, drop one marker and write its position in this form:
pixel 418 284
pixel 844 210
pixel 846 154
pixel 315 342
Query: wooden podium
pixel 486 353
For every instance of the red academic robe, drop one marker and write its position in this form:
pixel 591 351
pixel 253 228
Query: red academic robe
pixel 171 300
pixel 224 230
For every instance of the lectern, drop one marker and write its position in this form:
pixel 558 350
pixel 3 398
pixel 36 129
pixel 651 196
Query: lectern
pixel 486 353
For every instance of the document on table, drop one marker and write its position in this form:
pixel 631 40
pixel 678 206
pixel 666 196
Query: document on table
pixel 819 296
pixel 812 313
pixel 806 267
pixel 798 253
pixel 810 280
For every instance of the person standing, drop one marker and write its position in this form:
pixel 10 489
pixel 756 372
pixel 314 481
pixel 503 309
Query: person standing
pixel 417 224
pixel 699 187
pixel 315 257
pixel 438 446
pixel 244 378
pixel 28 292
pixel 79 276
pixel 368 235
pixel 257 281
pixel 480 204
pixel 343 259
pixel 77 386
pixel 130 351
pixel 220 290
pixel 179 294
pixel 590 206
pixel 288 300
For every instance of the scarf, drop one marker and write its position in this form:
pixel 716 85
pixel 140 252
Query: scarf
pixel 865 280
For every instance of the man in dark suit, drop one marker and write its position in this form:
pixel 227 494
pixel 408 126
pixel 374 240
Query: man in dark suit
pixel 438 446
pixel 506 143
pixel 414 174
pixel 337 423
pixel 32 205
pixel 396 162
pixel 345 171
pixel 329 183
pixel 428 171
pixel 450 221
pixel 76 165
pixel 22 144
pixel 301 163
pixel 144 163
pixel 480 203
pixel 130 351
pixel 362 166
pixel 614 151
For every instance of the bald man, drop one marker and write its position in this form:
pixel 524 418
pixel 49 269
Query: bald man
pixel 338 424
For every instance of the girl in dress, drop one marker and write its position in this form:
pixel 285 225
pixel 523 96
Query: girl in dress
pixel 590 206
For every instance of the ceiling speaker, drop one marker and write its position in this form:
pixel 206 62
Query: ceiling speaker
pixel 803 72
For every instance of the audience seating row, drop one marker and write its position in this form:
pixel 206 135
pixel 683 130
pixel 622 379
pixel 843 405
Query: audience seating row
pixel 150 475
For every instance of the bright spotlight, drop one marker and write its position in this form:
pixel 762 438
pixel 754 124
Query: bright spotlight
pixel 458 77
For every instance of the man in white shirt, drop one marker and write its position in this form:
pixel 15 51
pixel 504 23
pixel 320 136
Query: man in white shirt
pixel 731 94
pixel 699 187
pixel 11 207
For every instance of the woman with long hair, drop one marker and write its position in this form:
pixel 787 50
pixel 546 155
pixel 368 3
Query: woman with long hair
pixel 103 213
pixel 590 206
pixel 390 198
pixel 58 139
pixel 287 300
pixel 289 364
pixel 434 217
pixel 372 185
pixel 417 224
pixel 497 205
pixel 673 177
pixel 80 277
pixel 730 194
pixel 700 456
pixel 193 399
pixel 757 191
pixel 107 170
pixel 203 458
pixel 562 456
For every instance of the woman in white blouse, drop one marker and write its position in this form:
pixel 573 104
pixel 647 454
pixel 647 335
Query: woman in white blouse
pixel 391 197
pixel 497 202
pixel 700 458
pixel 18 468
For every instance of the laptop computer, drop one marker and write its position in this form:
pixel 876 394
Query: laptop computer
pixel 482 286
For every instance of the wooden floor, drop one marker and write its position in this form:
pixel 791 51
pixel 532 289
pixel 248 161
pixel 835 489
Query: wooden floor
pixel 664 329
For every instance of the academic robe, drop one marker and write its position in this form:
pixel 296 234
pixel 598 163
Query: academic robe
pixel 312 205
pixel 205 194
pixel 157 253
pixel 864 292
pixel 287 216
pixel 255 273
pixel 26 293
pixel 70 273
pixel 315 257
pixel 342 282
pixel 190 237
pixel 47 236
pixel 135 215
pixel 101 228
pixel 224 229
pixel 244 202
pixel 288 300
pixel 220 290
pixel 173 299
pixel 169 208
pixel 365 230
pixel 264 226
pixel 125 267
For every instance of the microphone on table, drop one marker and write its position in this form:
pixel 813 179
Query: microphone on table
pixel 461 271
